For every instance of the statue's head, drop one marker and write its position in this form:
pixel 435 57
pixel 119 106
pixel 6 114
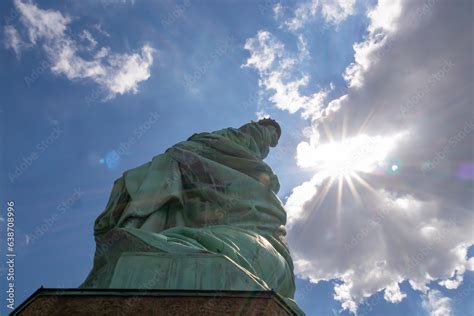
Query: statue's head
pixel 276 130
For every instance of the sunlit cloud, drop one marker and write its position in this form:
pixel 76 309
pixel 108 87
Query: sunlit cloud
pixel 383 18
pixel 332 11
pixel 437 304
pixel 341 161
pixel 115 73
pixel 281 76
pixel 361 153
pixel 371 216
pixel 13 40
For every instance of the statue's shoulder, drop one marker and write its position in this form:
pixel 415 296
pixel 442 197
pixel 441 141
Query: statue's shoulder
pixel 228 130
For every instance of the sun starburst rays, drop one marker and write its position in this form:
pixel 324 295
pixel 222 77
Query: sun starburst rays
pixel 344 161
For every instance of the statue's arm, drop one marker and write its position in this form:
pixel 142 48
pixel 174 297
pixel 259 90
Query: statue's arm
pixel 260 133
pixel 119 199
pixel 252 136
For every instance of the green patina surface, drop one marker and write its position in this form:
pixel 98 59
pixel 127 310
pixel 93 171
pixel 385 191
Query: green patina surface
pixel 202 215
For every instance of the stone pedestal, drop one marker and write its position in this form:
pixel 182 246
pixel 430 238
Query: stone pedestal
pixel 59 302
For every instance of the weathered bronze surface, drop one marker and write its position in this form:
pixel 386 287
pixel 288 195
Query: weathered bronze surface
pixel 204 215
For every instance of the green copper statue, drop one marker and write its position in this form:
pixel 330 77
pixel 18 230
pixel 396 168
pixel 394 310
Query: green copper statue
pixel 204 215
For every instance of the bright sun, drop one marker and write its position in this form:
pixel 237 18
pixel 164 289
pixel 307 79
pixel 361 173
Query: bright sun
pixel 341 162
pixel 344 160
pixel 361 153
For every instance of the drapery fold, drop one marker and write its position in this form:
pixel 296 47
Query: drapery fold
pixel 211 193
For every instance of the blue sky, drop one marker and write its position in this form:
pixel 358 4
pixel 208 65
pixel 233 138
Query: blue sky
pixel 82 81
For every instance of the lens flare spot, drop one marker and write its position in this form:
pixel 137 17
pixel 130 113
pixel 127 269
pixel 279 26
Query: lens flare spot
pixel 466 171
pixel 111 160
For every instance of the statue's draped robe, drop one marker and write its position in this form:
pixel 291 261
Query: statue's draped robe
pixel 211 193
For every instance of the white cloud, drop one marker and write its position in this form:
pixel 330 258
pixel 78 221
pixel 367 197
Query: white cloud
pixel 264 50
pixel 98 28
pixel 384 15
pixel 116 2
pixel 332 11
pixel 336 11
pixel 13 40
pixel 343 292
pixel 278 11
pixel 262 114
pixel 87 37
pixel 115 73
pixel 128 70
pixel 303 13
pixel 280 75
pixel 454 282
pixel 375 232
pixel 436 304
pixel 383 19
pixel 374 244
pixel 359 153
pixel 393 294
pixel 40 23
pixel 300 195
